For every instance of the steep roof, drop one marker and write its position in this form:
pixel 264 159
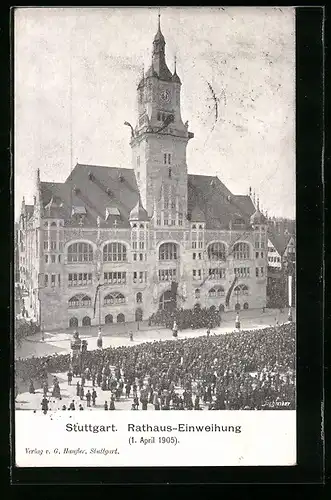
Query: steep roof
pixel 106 192
pixel 215 200
pixel 279 241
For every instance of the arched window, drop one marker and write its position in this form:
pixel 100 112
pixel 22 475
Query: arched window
pixel 221 308
pixel 241 251
pixel 80 252
pixel 212 292
pixel 168 251
pixel 217 251
pixel 86 321
pixel 109 319
pixel 241 290
pixel 73 323
pixel 114 298
pixel 80 301
pixel 53 224
pixel 220 291
pixel 120 318
pixel 194 226
pixel 246 306
pixel 74 302
pixel 197 293
pixel 114 252
pixel 139 297
pixel 86 301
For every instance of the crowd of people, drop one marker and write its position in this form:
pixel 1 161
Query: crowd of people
pixel 240 370
pixel 187 318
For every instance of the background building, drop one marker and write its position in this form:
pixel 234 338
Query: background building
pixel 281 261
pixel 106 245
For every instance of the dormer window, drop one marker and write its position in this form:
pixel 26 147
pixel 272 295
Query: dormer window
pixel 78 211
pixel 167 158
pixel 112 211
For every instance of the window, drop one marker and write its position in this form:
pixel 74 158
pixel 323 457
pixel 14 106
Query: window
pixel 167 158
pixel 158 222
pixel 59 259
pixel 46 280
pixel 242 272
pixel 169 172
pixel 241 251
pixel 197 274
pixel 139 297
pixel 59 279
pixel 53 245
pixel 141 256
pixel 262 255
pixel 45 245
pixel 200 244
pixel 216 292
pixel 159 116
pixel 79 279
pixel 46 259
pixel 166 204
pixel 194 244
pixel 114 252
pixel 197 293
pixel 74 302
pixel 173 222
pixel 256 255
pixel 115 278
pixel 134 245
pixel 262 271
pixel 114 298
pixel 53 280
pixel 180 222
pixel 141 277
pixel 241 290
pixel 61 246
pixel 53 259
pixel 216 251
pixel 134 256
pixel 168 251
pixel 217 274
pixel 141 245
pixel 167 274
pixel 80 252
pixel 257 272
pixel 86 301
pixel 138 176
pixel 194 255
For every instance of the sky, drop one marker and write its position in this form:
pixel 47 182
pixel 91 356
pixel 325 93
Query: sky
pixel 246 55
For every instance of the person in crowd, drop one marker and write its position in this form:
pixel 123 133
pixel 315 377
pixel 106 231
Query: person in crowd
pixel 94 396
pixel 44 405
pixel 81 407
pixel 72 405
pixel 88 398
pixel 239 370
pixel 31 387
pixel 70 376
pixel 81 392
pixel 105 406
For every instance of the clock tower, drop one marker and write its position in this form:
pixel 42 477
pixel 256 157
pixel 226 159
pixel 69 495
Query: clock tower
pixel 159 141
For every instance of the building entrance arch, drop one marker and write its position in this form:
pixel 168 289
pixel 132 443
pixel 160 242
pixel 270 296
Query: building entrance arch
pixel 73 323
pixel 139 314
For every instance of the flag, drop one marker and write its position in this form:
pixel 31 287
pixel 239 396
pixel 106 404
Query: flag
pixel 228 295
pixel 95 300
pixel 174 288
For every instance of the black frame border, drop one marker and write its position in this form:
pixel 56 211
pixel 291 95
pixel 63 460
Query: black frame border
pixel 310 291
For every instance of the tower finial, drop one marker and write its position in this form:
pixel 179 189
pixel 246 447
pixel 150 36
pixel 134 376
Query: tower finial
pixel 159 20
pixel 258 203
pixel 175 64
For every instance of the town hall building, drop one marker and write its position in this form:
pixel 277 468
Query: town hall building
pixel 106 245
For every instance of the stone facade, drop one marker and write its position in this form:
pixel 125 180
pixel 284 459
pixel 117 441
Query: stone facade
pixel 94 258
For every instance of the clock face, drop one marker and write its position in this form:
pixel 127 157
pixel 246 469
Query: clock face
pixel 165 95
